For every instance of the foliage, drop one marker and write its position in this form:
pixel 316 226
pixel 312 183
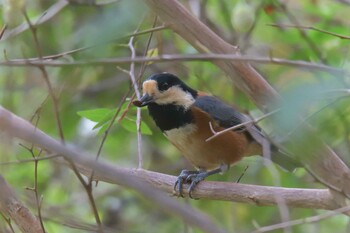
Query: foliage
pixel 89 96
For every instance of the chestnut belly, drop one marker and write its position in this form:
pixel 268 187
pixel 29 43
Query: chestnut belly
pixel 224 149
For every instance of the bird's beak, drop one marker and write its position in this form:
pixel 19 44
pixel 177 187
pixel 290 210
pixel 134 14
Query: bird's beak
pixel 144 101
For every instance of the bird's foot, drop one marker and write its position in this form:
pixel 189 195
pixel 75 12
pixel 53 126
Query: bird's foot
pixel 190 177
pixel 181 179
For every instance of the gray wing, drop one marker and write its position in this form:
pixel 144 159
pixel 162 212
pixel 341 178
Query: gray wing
pixel 227 117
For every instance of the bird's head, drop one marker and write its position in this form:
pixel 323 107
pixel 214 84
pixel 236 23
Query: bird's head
pixel 166 89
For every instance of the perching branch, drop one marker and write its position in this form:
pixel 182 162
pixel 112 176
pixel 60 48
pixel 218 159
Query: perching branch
pixel 15 126
pixel 12 207
pixel 324 164
pixel 145 181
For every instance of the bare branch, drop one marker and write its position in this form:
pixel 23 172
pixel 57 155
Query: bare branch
pixel 312 45
pixel 312 219
pixel 138 95
pixel 17 127
pixel 175 57
pixel 246 123
pixel 139 33
pixel 324 165
pixel 47 15
pixel 141 179
pixel 11 206
pixel 30 160
pixel 310 28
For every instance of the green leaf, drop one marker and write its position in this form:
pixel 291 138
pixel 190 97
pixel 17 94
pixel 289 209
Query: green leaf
pixel 95 115
pixel 102 129
pixel 145 129
pixel 130 125
pixel 105 119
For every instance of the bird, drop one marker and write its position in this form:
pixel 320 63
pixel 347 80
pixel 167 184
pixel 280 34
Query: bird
pixel 188 117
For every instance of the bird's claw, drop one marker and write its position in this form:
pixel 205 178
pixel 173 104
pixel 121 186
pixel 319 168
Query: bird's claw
pixel 191 177
pixel 181 179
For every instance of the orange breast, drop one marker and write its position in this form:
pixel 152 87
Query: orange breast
pixel 227 148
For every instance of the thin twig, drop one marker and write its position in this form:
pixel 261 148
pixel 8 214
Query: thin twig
pixel 242 174
pixel 138 95
pixel 31 160
pixel 309 42
pixel 3 29
pixel 35 188
pixel 310 28
pixel 55 101
pixel 300 221
pixel 144 64
pixel 246 123
pixel 8 221
pixel 47 15
pixel 46 77
pixel 175 57
pixel 281 204
pixel 118 109
pixel 56 56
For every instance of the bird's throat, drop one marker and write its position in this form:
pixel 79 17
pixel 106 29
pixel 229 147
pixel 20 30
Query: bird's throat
pixel 170 116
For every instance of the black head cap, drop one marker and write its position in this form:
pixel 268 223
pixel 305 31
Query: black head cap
pixel 167 80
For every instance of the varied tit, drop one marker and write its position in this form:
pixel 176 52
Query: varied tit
pixel 188 117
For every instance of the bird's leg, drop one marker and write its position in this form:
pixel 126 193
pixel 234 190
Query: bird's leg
pixel 183 178
pixel 194 177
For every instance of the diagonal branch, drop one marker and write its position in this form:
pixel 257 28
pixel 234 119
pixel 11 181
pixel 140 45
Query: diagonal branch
pixel 17 127
pixel 11 206
pixel 145 181
pixel 47 15
pixel 323 164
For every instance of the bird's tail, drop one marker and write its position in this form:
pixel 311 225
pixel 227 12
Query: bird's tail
pixel 283 159
pixel 278 156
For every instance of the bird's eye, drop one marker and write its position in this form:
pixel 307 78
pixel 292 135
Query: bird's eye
pixel 163 86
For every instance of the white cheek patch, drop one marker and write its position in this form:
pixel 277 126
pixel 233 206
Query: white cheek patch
pixel 175 95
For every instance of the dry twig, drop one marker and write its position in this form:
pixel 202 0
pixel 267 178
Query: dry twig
pixel 216 57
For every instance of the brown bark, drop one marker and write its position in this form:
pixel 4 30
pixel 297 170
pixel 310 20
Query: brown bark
pixel 16 211
pixel 17 127
pixel 324 164
pixel 140 179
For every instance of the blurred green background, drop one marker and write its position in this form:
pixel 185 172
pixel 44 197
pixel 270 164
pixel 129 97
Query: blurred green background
pixel 104 27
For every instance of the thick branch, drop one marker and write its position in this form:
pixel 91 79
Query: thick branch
pixel 20 128
pixel 324 164
pixel 140 179
pixel 206 41
pixel 11 206
pixel 225 191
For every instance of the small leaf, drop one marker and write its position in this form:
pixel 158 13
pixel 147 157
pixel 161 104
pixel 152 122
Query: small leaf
pixel 145 129
pixel 102 129
pixel 95 115
pixel 152 53
pixel 130 125
pixel 104 120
